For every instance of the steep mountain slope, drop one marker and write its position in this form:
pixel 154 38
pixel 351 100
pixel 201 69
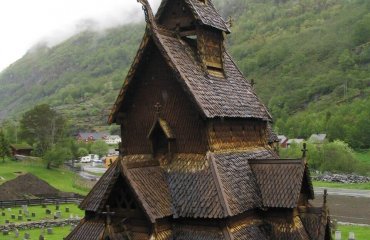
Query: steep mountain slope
pixel 310 60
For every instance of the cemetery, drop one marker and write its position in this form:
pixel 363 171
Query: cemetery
pixel 46 221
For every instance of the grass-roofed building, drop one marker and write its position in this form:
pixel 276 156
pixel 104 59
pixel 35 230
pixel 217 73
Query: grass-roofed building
pixel 195 160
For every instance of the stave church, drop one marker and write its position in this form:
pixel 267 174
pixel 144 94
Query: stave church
pixel 197 161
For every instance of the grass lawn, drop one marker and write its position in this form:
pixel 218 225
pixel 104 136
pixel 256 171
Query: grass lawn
pixel 40 213
pixel 363 156
pixel 58 234
pixel 361 186
pixel 60 178
pixel 361 233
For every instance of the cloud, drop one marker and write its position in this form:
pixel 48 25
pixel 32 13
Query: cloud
pixel 24 23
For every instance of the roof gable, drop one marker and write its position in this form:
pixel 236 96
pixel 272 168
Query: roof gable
pixel 285 175
pixel 203 11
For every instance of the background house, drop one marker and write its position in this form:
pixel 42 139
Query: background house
pixel 91 136
pixel 21 149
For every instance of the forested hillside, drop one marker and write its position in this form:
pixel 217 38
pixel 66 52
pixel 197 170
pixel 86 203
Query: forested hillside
pixel 310 60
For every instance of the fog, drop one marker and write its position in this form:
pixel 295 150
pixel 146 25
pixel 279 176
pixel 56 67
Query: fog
pixel 24 23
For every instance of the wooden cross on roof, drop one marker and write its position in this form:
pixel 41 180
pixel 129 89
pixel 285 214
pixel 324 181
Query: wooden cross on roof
pixel 304 150
pixel 108 214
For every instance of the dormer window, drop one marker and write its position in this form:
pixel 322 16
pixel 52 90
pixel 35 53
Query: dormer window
pixel 210 46
pixel 162 138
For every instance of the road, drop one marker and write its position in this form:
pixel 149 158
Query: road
pixel 344 192
pixel 346 205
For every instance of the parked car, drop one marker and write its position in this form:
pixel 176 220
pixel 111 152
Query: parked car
pixel 89 158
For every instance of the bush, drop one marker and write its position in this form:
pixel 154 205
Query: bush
pixel 334 156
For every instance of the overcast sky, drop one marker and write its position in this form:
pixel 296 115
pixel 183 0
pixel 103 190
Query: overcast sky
pixel 23 23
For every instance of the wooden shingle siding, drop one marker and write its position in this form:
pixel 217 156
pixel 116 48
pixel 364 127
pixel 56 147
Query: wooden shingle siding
pixel 157 83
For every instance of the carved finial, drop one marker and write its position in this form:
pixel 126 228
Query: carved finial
pixel 109 214
pixel 325 196
pixel 158 108
pixel 304 150
pixel 230 22
pixel 149 16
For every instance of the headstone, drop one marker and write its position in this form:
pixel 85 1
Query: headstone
pixel 58 214
pixel 6 221
pixel 67 209
pixel 50 230
pixel 338 235
pixel 25 208
pixel 26 236
pixel 3 214
pixel 20 217
pixel 9 209
pixel 5 232
pixel 41 237
pixel 43 205
pixel 57 207
pixel 71 216
pixel 351 236
pixel 16 233
pixel 29 219
pixel 47 211
pixel 33 214
pixel 20 211
pixel 13 216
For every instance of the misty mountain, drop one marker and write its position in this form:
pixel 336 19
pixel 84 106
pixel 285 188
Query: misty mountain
pixel 310 60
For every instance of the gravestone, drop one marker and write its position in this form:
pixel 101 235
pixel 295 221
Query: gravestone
pixel 48 211
pixel 50 230
pixel 351 236
pixel 67 209
pixel 33 214
pixel 9 209
pixel 58 214
pixel 338 235
pixel 13 216
pixel 71 216
pixel 43 205
pixel 5 232
pixel 16 233
pixel 20 211
pixel 26 236
pixel 41 237
pixel 6 221
pixel 3 214
pixel 20 217
pixel 29 219
pixel 57 207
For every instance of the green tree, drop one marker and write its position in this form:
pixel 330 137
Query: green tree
pixel 42 126
pixel 100 148
pixel 4 146
pixel 56 156
pixel 82 152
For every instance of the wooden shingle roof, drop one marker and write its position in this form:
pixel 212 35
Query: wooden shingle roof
pixel 280 181
pixel 229 96
pixel 91 229
pixel 193 189
pixel 151 187
pixel 205 14
pixel 97 197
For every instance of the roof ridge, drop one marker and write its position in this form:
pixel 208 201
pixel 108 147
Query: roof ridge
pixel 219 185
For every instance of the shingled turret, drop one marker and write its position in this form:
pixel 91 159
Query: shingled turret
pixel 195 161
